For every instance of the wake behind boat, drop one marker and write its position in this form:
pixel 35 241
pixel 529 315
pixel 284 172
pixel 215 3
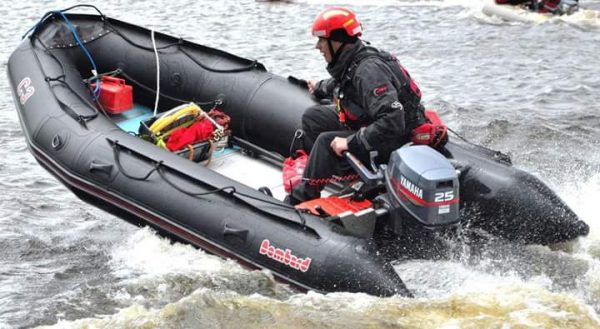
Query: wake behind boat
pixel 113 158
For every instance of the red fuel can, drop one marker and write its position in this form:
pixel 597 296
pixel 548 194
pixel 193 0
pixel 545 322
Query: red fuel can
pixel 115 95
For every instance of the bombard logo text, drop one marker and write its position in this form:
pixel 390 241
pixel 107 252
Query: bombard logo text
pixel 284 256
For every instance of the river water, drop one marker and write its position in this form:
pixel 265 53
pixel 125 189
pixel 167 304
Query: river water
pixel 531 90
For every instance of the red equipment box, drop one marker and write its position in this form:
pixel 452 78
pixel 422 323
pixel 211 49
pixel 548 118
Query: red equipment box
pixel 115 95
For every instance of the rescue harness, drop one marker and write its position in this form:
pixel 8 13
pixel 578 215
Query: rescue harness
pixel 428 129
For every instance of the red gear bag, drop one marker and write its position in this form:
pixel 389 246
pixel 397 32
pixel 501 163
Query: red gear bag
pixel 293 169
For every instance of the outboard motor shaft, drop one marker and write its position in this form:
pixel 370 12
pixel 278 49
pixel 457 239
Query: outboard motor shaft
pixel 422 185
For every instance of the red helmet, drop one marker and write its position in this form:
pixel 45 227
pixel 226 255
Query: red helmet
pixel 335 18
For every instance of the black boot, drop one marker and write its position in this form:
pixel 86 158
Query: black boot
pixel 289 199
pixel 303 192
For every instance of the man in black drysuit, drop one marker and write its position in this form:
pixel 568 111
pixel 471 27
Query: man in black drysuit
pixel 376 105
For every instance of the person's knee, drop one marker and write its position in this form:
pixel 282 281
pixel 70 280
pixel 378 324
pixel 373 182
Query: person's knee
pixel 325 138
pixel 310 117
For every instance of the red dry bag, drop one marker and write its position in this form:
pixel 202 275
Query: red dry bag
pixel 293 168
pixel 199 131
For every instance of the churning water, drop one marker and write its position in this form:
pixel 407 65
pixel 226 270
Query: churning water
pixel 529 89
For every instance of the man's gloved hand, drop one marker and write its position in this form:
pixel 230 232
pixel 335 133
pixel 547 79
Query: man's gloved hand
pixel 339 145
pixel 312 84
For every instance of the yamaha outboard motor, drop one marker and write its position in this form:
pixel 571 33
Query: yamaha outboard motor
pixel 422 185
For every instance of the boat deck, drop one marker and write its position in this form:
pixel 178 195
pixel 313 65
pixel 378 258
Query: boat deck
pixel 231 162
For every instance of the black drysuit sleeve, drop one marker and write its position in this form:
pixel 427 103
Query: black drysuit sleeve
pixel 376 87
pixel 324 88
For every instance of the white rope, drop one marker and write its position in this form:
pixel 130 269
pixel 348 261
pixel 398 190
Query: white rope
pixel 157 72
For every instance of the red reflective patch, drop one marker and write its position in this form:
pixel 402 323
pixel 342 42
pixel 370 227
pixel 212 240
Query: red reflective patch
pixel 380 90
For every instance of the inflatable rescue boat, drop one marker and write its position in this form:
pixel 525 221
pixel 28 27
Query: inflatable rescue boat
pixel 85 87
pixel 524 13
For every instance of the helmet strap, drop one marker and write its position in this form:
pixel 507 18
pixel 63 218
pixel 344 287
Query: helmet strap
pixel 334 54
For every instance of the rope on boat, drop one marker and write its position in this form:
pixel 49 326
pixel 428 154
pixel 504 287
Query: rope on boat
pixel 47 15
pixel 254 64
pixel 159 165
pixel 230 190
pixel 175 99
pixel 82 119
pixel 60 13
pixel 85 51
pixel 157 71
pixel 497 154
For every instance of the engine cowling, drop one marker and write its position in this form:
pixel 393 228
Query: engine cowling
pixel 422 184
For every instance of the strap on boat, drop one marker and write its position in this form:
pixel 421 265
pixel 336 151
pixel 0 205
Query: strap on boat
pixel 82 119
pixel 52 13
pixel 213 103
pixel 231 191
pixel 253 65
pixel 209 153
pixel 497 155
